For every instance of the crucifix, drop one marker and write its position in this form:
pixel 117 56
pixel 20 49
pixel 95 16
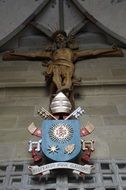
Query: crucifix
pixel 61 58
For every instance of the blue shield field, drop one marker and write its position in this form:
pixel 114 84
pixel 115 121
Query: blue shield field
pixel 61 139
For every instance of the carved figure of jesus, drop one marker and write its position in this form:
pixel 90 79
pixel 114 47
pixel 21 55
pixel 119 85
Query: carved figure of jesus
pixel 62 59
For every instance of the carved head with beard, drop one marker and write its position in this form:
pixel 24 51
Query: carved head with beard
pixel 62 40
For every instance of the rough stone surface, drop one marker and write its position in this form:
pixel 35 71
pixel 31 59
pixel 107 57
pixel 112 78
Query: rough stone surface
pixel 15 15
pixel 109 15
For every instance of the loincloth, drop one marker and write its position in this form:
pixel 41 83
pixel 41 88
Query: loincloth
pixel 63 62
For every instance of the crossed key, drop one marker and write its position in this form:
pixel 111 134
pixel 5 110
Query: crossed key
pixel 76 113
pixel 45 114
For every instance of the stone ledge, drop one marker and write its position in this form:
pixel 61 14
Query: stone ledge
pixel 43 84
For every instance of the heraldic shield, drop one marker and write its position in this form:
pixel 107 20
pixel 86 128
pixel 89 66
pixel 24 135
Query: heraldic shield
pixel 61 139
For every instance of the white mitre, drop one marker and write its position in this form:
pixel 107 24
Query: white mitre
pixel 60 104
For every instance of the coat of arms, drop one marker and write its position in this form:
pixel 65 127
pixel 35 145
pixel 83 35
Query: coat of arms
pixel 60 139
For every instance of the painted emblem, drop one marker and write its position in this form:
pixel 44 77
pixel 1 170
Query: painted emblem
pixel 61 132
pixel 53 149
pixel 70 148
pixel 61 139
